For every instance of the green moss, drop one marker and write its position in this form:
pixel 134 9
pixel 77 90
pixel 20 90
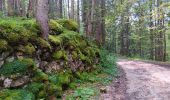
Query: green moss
pixel 34 87
pixel 43 43
pixel 17 66
pixel 55 27
pixel 15 31
pixel 55 89
pixel 40 76
pixel 55 39
pixel 29 49
pixel 68 24
pixel 68 35
pixel 3 45
pixel 64 78
pixel 16 95
pixel 74 55
pixel 60 55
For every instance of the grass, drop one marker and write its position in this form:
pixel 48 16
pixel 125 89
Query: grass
pixel 89 84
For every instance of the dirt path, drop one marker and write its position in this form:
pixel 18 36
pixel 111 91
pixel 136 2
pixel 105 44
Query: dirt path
pixel 146 81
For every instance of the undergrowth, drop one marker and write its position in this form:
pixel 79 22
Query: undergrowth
pixel 89 82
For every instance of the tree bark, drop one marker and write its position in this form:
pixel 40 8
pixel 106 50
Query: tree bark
pixel 42 17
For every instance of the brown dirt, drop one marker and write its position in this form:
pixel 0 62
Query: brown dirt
pixel 145 81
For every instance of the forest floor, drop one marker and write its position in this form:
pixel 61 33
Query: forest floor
pixel 142 81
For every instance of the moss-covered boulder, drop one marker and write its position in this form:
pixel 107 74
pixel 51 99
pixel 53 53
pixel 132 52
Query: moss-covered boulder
pixel 68 24
pixel 55 27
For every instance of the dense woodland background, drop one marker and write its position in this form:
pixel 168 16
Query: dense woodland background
pixel 133 28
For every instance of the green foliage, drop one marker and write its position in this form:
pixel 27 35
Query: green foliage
pixel 17 66
pixel 68 24
pixel 16 95
pixel 82 93
pixel 108 62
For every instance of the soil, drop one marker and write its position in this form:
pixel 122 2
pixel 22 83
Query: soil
pixel 140 80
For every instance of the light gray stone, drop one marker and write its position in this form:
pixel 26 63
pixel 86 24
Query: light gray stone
pixel 7 82
pixel 1 63
pixel 10 59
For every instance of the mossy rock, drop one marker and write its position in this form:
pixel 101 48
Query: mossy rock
pixel 3 45
pixel 40 76
pixel 17 66
pixel 55 39
pixel 29 49
pixel 68 35
pixel 43 43
pixel 68 24
pixel 16 95
pixel 55 27
pixel 61 54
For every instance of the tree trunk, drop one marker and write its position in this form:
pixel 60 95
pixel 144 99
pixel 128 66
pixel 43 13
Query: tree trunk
pixel 10 7
pixel 1 5
pixel 42 17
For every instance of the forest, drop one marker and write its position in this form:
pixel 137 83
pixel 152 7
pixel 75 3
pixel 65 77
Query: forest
pixel 82 49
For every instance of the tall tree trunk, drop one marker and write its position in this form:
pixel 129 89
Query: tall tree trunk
pixel 42 17
pixel 78 14
pixel 1 5
pixel 10 7
pixel 30 8
pixel 151 32
pixel 72 10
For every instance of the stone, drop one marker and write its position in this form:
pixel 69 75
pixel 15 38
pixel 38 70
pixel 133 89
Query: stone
pixel 10 59
pixel 53 67
pixel 4 55
pixel 43 64
pixel 7 82
pixel 20 82
pixel 1 63
pixel 103 90
pixel 19 55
